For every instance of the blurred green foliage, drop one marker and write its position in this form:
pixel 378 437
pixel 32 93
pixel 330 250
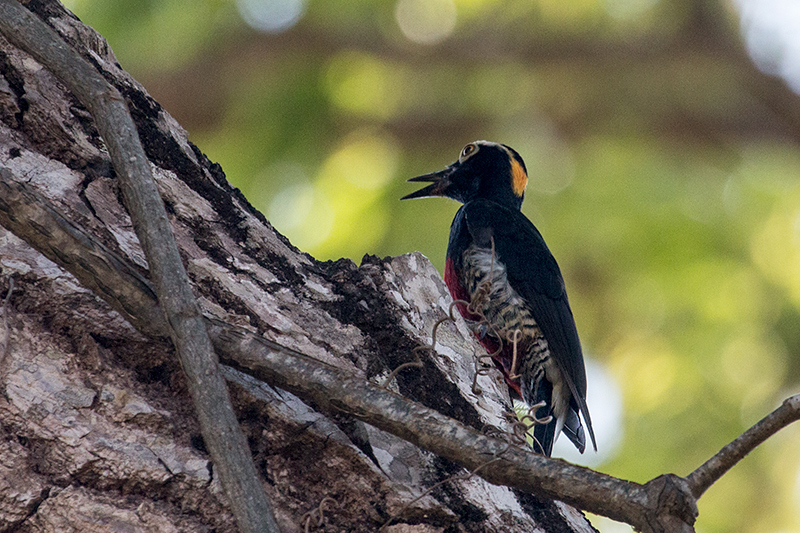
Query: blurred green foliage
pixel 664 175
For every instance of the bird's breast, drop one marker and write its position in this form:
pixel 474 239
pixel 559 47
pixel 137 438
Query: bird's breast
pixel 486 281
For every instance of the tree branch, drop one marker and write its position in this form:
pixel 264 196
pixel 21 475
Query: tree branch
pixel 223 436
pixel 713 469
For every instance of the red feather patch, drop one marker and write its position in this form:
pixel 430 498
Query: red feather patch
pixel 459 292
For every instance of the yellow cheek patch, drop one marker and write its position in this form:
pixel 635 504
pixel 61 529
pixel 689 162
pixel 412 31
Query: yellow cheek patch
pixel 519 179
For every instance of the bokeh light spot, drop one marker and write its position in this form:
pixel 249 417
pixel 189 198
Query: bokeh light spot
pixel 648 368
pixel 776 251
pixel 353 179
pixel 750 361
pixel 797 488
pixel 363 85
pixel 426 21
pixel 302 214
pixel 271 16
pixel 771 29
pixel 367 161
pixel 627 9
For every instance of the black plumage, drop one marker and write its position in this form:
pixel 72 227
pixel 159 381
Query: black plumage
pixel 494 246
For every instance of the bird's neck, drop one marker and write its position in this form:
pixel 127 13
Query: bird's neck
pixel 508 201
pixel 502 196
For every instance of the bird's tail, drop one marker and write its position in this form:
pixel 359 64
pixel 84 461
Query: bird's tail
pixel 573 428
pixel 545 434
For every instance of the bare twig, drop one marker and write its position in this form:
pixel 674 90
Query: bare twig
pixel 644 506
pixel 318 510
pixel 481 369
pixel 529 420
pixel 713 469
pixel 513 338
pixel 221 432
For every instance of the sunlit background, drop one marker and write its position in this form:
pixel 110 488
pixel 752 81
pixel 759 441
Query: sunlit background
pixel 661 138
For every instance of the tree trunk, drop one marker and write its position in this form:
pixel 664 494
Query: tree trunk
pixel 98 431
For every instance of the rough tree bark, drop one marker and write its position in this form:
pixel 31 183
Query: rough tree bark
pixel 183 319
pixel 97 431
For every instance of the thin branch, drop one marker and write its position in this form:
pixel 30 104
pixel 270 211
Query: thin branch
pixel 460 477
pixel 666 503
pixel 713 469
pixel 33 219
pixel 221 432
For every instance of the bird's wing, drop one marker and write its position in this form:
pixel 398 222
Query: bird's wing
pixel 533 272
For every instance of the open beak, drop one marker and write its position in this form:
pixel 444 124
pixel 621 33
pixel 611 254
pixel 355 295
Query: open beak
pixel 439 182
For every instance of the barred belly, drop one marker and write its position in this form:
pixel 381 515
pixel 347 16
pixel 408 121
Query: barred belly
pixel 505 312
pixel 503 308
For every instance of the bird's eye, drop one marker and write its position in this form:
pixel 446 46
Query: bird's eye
pixel 468 150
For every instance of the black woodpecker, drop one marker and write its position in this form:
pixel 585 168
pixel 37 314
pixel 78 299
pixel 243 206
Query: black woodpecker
pixel 498 261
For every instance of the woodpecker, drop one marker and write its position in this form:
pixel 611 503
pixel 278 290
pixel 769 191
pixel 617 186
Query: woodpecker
pixel 498 262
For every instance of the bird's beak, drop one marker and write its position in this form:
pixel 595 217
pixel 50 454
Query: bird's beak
pixel 439 182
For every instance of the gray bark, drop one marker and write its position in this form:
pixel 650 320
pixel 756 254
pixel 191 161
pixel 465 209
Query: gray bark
pixel 184 322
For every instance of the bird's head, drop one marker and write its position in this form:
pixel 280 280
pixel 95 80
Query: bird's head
pixel 484 170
